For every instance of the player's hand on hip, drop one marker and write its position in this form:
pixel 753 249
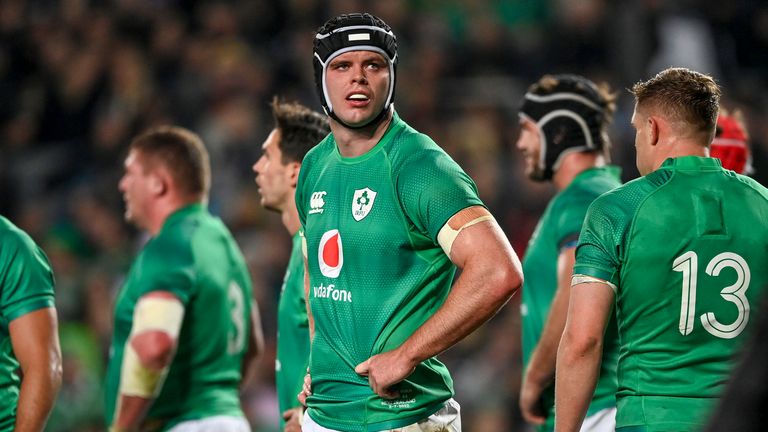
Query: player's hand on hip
pixel 384 371
pixel 531 405
pixel 306 390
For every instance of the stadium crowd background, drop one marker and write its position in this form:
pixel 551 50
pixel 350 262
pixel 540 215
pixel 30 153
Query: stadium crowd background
pixel 79 79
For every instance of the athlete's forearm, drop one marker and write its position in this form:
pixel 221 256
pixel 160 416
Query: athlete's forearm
pixel 35 341
pixel 475 297
pixel 539 374
pixel 39 387
pixel 147 356
pixel 255 347
pixel 541 366
pixel 310 318
pixel 491 273
pixel 578 366
pixel 487 281
pixel 580 353
pixel 130 413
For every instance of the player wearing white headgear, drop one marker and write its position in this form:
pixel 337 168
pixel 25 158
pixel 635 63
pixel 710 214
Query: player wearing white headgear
pixel 387 217
pixel 347 33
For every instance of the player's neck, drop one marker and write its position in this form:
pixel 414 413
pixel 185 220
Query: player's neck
pixel 162 210
pixel 679 148
pixel 357 142
pixel 574 164
pixel 290 216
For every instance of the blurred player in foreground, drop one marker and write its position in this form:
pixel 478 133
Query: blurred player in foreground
pixel 186 330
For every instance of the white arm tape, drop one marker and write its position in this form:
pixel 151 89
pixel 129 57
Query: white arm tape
pixel 137 379
pixel 158 313
pixel 578 279
pixel 447 235
pixel 151 314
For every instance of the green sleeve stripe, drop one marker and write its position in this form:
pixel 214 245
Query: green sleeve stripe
pixel 29 306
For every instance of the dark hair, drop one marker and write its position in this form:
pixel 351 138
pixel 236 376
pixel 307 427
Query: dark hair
pixel 182 153
pixel 682 95
pixel 300 129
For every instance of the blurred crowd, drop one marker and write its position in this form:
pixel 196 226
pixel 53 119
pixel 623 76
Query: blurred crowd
pixel 79 78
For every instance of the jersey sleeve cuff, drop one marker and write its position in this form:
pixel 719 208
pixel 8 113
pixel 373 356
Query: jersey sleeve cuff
pixel 28 306
pixel 606 275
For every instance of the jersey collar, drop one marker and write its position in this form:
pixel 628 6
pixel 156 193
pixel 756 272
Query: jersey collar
pixel 183 212
pixel 611 170
pixel 394 127
pixel 692 163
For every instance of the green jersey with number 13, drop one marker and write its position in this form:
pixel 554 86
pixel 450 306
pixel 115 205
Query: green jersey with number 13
pixel 686 248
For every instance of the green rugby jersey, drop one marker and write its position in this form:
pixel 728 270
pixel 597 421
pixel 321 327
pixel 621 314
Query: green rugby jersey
pixel 292 332
pixel 559 225
pixel 376 270
pixel 26 285
pixel 194 257
pixel 686 247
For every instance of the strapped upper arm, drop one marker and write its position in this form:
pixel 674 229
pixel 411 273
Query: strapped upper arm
pixel 477 232
pixel 458 223
pixel 160 311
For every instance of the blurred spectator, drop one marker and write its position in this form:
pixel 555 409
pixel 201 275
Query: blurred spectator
pixel 730 143
pixel 78 78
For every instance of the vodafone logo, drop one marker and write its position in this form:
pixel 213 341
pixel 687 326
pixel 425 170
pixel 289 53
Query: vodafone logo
pixel 330 254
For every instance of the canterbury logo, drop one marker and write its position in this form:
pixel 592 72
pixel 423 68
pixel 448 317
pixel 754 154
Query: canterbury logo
pixel 317 202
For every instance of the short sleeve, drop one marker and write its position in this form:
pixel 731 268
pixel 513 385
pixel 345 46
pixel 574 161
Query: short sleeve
pixel 433 188
pixel 26 279
pixel 167 264
pixel 598 252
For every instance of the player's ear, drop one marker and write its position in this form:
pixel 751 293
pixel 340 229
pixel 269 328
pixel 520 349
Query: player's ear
pixel 293 169
pixel 158 183
pixel 653 130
